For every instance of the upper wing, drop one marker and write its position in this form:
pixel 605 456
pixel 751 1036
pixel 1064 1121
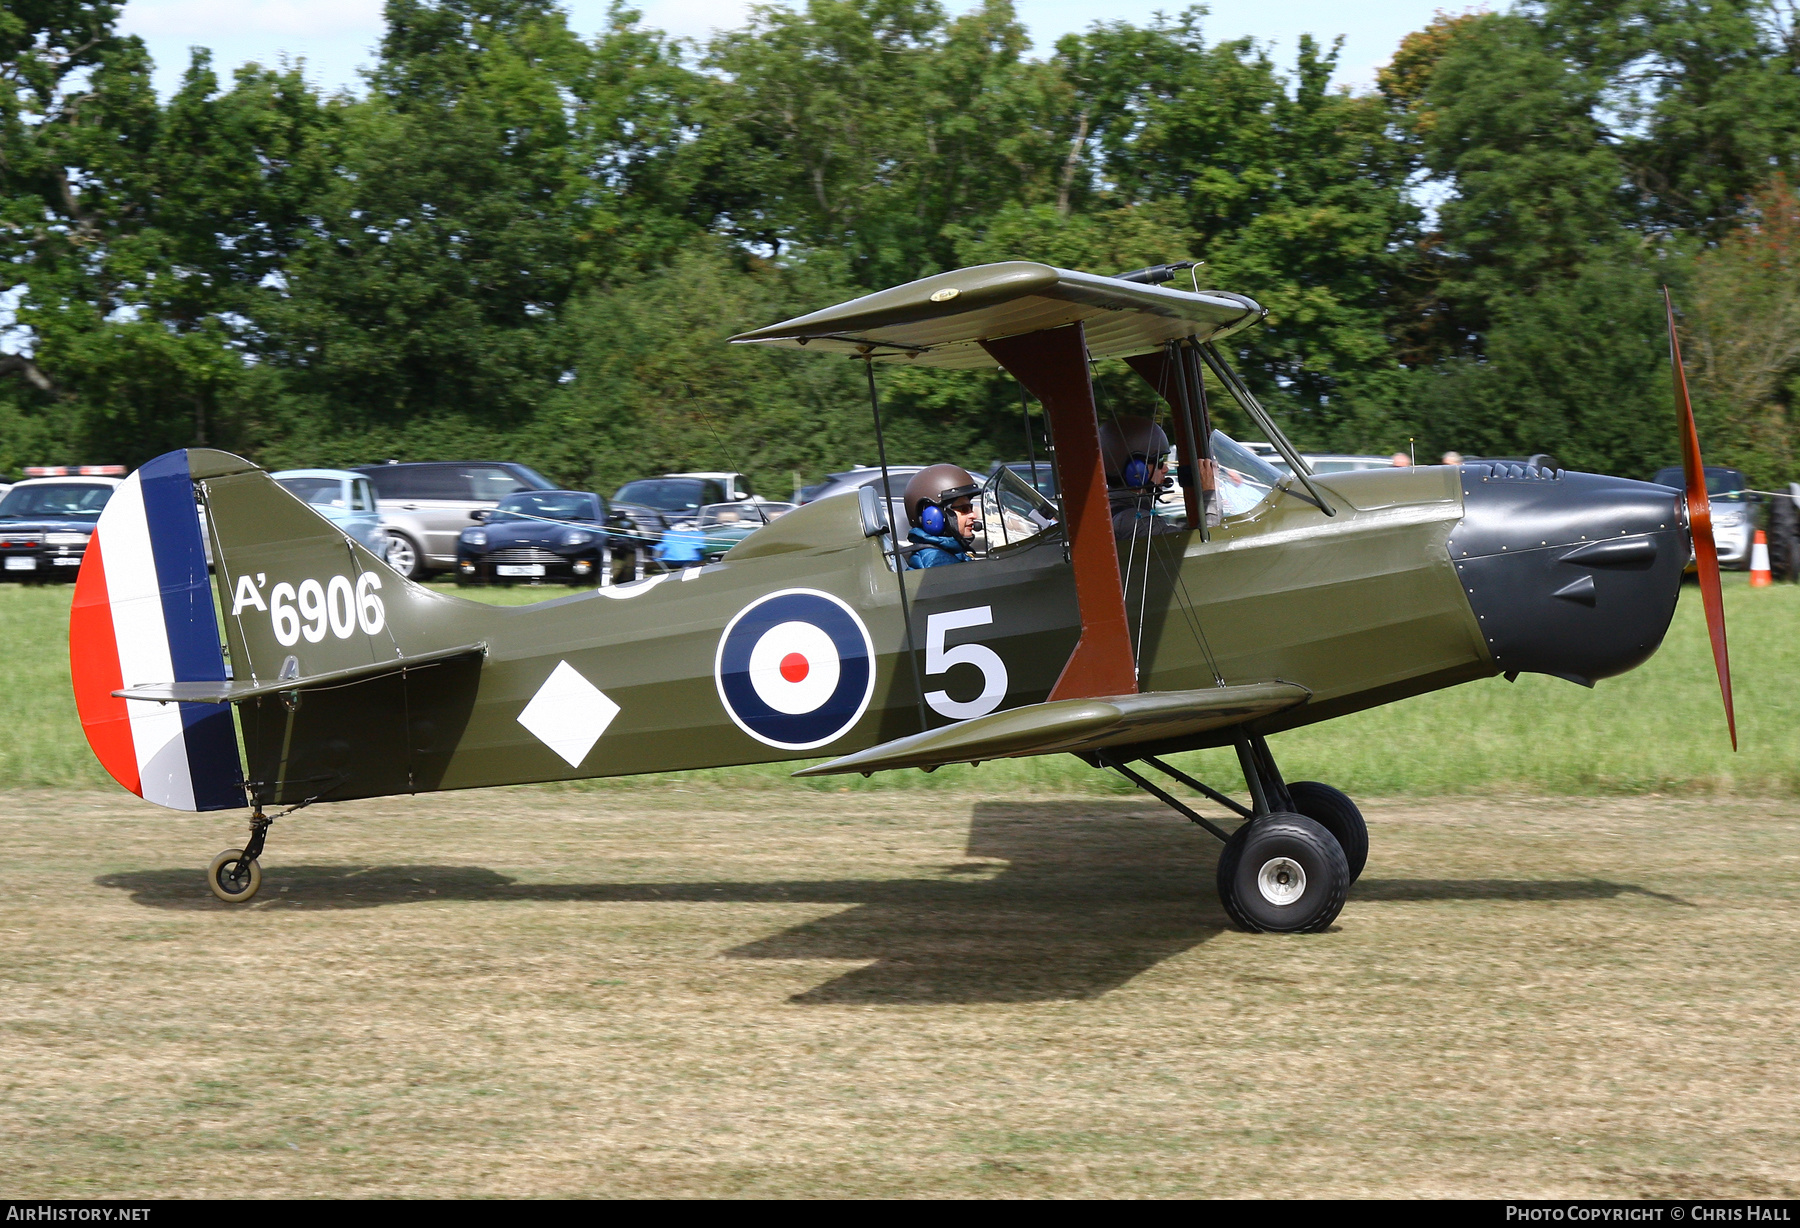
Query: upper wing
pixel 942 321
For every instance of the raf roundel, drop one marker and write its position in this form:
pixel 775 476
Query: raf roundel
pixel 795 669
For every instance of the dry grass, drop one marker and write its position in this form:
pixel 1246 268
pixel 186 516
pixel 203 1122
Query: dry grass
pixel 674 992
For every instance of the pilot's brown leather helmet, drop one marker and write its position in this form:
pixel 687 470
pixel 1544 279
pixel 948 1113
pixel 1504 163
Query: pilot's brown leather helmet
pixel 932 490
pixel 1131 448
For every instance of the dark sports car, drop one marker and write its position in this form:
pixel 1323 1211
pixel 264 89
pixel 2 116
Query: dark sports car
pixel 570 536
pixel 45 524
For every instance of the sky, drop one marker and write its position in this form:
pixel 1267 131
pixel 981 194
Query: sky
pixel 336 37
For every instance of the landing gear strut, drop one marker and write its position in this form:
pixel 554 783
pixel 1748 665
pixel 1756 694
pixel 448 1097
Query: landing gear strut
pixel 1289 866
pixel 235 874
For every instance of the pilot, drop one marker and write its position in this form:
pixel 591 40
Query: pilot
pixel 940 503
pixel 1135 452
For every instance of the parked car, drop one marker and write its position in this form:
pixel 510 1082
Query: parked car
pixel 724 525
pixel 45 524
pixel 346 499
pixel 1042 476
pixel 653 504
pixel 425 506
pixel 737 486
pixel 852 480
pixel 1733 511
pixel 563 535
pixel 1326 462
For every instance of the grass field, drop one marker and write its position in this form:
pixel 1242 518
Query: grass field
pixel 1567 971
pixel 693 990
pixel 1659 729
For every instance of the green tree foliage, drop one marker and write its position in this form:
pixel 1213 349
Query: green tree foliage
pixel 1743 339
pixel 1288 189
pixel 874 127
pixel 446 240
pixel 135 234
pixel 516 242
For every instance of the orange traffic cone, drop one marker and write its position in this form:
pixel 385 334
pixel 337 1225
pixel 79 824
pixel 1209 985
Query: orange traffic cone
pixel 1759 562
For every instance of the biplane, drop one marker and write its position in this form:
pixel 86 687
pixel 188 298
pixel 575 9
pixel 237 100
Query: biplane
pixel 302 669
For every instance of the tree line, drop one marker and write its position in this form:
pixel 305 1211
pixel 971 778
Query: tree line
pixel 514 242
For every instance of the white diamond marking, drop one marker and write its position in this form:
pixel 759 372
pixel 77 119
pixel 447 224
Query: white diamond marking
pixel 568 714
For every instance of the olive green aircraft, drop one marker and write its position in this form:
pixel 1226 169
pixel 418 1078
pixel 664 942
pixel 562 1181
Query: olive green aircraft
pixel 1288 599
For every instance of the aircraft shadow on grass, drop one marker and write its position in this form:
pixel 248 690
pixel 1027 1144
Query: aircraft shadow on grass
pixel 1092 895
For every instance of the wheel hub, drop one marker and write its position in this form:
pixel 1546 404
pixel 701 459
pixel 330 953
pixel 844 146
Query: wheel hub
pixel 1281 881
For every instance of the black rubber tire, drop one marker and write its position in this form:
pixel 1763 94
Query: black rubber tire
pixel 1784 538
pixel 233 879
pixel 1333 810
pixel 411 563
pixel 1259 848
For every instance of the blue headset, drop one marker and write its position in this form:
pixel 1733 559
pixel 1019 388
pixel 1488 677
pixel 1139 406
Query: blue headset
pixel 931 519
pixel 1137 472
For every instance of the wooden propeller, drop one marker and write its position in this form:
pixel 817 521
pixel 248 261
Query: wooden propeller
pixel 1699 508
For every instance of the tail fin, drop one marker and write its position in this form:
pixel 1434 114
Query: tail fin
pixel 386 671
pixel 143 614
pixel 299 601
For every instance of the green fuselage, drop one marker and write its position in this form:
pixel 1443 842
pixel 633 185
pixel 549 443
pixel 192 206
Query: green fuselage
pixel 1359 608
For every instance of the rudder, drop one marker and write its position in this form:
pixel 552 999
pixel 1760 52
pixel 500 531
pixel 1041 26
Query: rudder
pixel 143 615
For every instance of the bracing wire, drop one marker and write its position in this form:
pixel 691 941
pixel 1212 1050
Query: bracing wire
pixel 887 507
pixel 1137 530
pixel 1174 571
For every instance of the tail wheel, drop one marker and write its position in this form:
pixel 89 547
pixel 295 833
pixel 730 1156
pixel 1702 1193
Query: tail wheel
pixel 234 877
pixel 1283 874
pixel 405 557
pixel 1337 814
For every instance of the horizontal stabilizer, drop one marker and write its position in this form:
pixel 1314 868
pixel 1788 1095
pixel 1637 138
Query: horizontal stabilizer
pixel 1072 725
pixel 236 692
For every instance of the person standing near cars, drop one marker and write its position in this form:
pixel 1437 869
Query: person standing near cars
pixel 682 547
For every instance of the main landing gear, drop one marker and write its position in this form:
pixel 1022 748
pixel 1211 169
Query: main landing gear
pixel 1288 867
pixel 235 874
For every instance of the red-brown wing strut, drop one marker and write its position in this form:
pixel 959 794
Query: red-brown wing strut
pixel 1052 364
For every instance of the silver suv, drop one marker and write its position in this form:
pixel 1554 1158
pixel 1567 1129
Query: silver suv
pixel 426 505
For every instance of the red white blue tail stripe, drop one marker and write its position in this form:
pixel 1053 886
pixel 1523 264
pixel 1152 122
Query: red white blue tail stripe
pixel 143 616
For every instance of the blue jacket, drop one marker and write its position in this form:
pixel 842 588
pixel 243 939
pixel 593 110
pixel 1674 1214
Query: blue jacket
pixel 934 551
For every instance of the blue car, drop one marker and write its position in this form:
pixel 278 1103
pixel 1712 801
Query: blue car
pixel 345 498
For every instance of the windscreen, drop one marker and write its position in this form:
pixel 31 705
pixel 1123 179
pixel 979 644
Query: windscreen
pixel 1012 509
pixel 69 501
pixel 548 505
pixel 663 494
pixel 1245 478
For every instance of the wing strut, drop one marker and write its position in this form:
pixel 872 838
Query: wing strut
pixel 887 514
pixel 1240 392
pixel 1174 372
pixel 1052 364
